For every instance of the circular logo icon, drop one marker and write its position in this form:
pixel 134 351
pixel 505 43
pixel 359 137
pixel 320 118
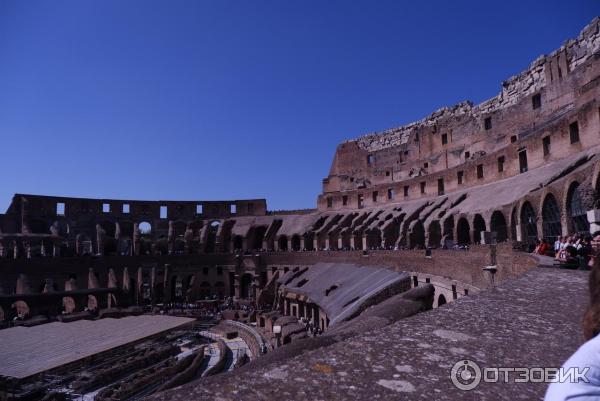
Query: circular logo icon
pixel 465 375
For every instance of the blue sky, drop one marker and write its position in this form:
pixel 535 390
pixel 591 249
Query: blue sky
pixel 203 100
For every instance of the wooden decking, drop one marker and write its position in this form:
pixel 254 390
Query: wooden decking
pixel 26 351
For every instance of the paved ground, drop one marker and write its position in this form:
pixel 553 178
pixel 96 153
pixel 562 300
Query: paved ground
pixel 532 321
pixel 25 351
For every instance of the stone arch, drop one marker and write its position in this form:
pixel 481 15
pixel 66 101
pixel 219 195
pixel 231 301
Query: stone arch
pixel 145 228
pixel 434 234
pixel 220 289
pixel 498 225
pixel 441 300
pixel 416 237
pixel 576 212
pixel 246 290
pixel 295 242
pixel 448 232
pixel 238 242
pixel 309 241
pixel 478 227
pixel 92 303
pixel 529 233
pixel 205 290
pixel 282 242
pixel 22 309
pixel 551 218
pixel 463 231
pixel 373 238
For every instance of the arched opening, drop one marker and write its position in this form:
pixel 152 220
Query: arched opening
pixel 220 289
pixel 417 235
pixel 528 224
pixel 463 229
pixel 551 225
pixel 145 228
pixel 478 227
pixel 449 230
pixel 92 303
pixel 205 292
pixel 246 286
pixel 434 234
pixel 309 241
pixel 211 241
pixel 238 243
pixel 346 238
pixel 295 242
pixel 498 225
pixel 282 243
pixel 374 239
pixel 258 235
pixel 441 300
pixel 576 211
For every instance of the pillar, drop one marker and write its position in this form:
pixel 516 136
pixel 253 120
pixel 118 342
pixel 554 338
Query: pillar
pixel 593 217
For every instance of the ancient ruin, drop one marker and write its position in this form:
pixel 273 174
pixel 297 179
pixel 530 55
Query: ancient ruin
pixel 423 229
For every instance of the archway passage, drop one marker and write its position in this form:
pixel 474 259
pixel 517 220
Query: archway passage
pixel 551 225
pixel 296 243
pixel 238 242
pixel 478 227
pixel 441 300
pixel 528 224
pixel 462 232
pixel 205 290
pixel 417 235
pixel 498 225
pixel 246 286
pixel 576 211
pixel 282 242
pixel 434 234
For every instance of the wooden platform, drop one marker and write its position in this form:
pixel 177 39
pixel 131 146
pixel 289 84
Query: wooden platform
pixel 26 351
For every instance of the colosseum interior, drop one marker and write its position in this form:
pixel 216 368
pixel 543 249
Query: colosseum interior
pixel 417 255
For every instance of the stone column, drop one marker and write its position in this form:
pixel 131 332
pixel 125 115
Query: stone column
pixel 171 238
pixel 593 217
pixel 100 233
pixel 136 239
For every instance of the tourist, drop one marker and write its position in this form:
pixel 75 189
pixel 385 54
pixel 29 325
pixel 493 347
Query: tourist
pixel 557 245
pixel 587 356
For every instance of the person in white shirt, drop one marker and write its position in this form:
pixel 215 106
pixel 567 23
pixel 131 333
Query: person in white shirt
pixel 587 358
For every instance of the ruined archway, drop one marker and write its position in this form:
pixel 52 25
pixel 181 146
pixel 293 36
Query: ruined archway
pixel 282 243
pixel 246 290
pixel 296 242
pixel 498 225
pixel 529 231
pixel 551 222
pixel 441 300
pixel 463 236
pixel 434 237
pixel 205 290
pixel 478 227
pixel 576 211
pixel 238 243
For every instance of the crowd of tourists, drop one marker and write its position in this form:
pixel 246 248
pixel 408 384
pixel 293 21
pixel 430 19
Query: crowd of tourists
pixel 575 251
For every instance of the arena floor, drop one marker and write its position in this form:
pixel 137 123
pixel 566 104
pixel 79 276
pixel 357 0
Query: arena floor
pixel 26 351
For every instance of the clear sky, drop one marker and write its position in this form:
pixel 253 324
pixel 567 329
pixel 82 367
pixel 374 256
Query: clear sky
pixel 203 100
